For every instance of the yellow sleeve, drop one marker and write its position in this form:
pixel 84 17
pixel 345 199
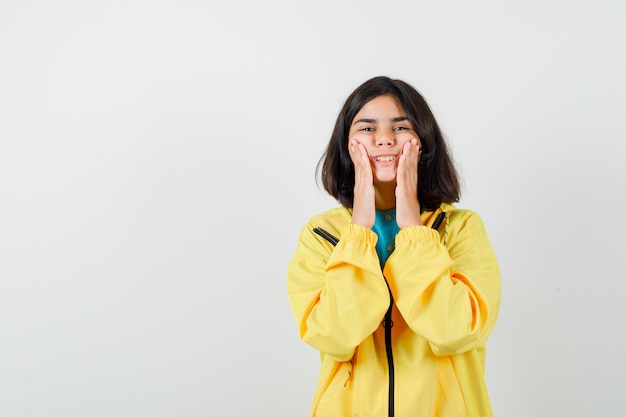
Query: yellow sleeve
pixel 338 294
pixel 447 292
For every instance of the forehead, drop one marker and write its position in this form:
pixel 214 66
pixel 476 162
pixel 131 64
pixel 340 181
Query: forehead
pixel 381 107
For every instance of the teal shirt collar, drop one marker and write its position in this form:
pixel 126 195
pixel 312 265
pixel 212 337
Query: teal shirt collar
pixel 386 228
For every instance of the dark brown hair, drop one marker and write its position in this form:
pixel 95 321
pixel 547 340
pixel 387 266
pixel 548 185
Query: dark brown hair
pixel 438 180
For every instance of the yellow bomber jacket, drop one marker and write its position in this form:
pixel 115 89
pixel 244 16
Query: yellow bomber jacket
pixel 426 359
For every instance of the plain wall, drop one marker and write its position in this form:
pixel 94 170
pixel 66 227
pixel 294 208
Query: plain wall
pixel 157 163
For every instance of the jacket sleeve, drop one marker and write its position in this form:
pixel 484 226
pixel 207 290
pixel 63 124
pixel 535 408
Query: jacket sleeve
pixel 448 292
pixel 338 295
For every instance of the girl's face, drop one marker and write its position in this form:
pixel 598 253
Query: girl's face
pixel 383 128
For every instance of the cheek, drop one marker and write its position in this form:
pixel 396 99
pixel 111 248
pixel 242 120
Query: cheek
pixel 360 136
pixel 410 136
pixel 365 140
pixel 406 137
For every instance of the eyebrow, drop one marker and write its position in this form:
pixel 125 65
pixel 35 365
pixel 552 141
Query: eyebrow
pixel 393 120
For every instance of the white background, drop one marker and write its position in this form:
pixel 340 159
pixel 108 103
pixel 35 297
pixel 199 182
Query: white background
pixel 157 163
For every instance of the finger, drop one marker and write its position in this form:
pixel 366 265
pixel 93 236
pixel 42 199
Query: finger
pixel 405 155
pixel 415 150
pixel 353 150
pixel 417 146
pixel 361 161
pixel 362 154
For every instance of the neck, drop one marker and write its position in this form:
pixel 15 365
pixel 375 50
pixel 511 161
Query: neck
pixel 385 196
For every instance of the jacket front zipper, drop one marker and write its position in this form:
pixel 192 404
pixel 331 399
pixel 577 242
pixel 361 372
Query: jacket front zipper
pixel 387 321
pixel 388 324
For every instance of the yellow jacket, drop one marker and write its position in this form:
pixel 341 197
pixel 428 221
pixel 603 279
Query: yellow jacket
pixel 445 285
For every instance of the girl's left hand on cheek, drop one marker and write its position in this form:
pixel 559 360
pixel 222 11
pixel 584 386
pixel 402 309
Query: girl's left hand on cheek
pixel 407 166
pixel 407 205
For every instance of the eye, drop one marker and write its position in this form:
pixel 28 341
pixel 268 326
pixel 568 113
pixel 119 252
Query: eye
pixel 399 128
pixel 367 129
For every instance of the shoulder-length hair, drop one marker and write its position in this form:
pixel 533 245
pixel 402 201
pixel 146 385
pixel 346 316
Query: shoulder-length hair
pixel 438 179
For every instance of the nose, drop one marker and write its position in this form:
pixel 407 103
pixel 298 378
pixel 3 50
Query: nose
pixel 384 139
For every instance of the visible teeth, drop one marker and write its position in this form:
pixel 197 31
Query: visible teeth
pixel 385 158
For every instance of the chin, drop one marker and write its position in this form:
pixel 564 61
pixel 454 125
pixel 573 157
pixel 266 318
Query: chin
pixel 385 179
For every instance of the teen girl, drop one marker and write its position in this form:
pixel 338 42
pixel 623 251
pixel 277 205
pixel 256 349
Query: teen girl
pixel 398 289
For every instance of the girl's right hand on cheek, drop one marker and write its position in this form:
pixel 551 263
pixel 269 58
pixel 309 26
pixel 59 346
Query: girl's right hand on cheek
pixel 360 158
pixel 364 206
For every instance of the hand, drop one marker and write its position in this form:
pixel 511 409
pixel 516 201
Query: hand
pixel 407 204
pixel 364 206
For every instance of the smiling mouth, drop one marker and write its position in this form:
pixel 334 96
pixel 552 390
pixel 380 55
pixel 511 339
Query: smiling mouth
pixel 386 158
